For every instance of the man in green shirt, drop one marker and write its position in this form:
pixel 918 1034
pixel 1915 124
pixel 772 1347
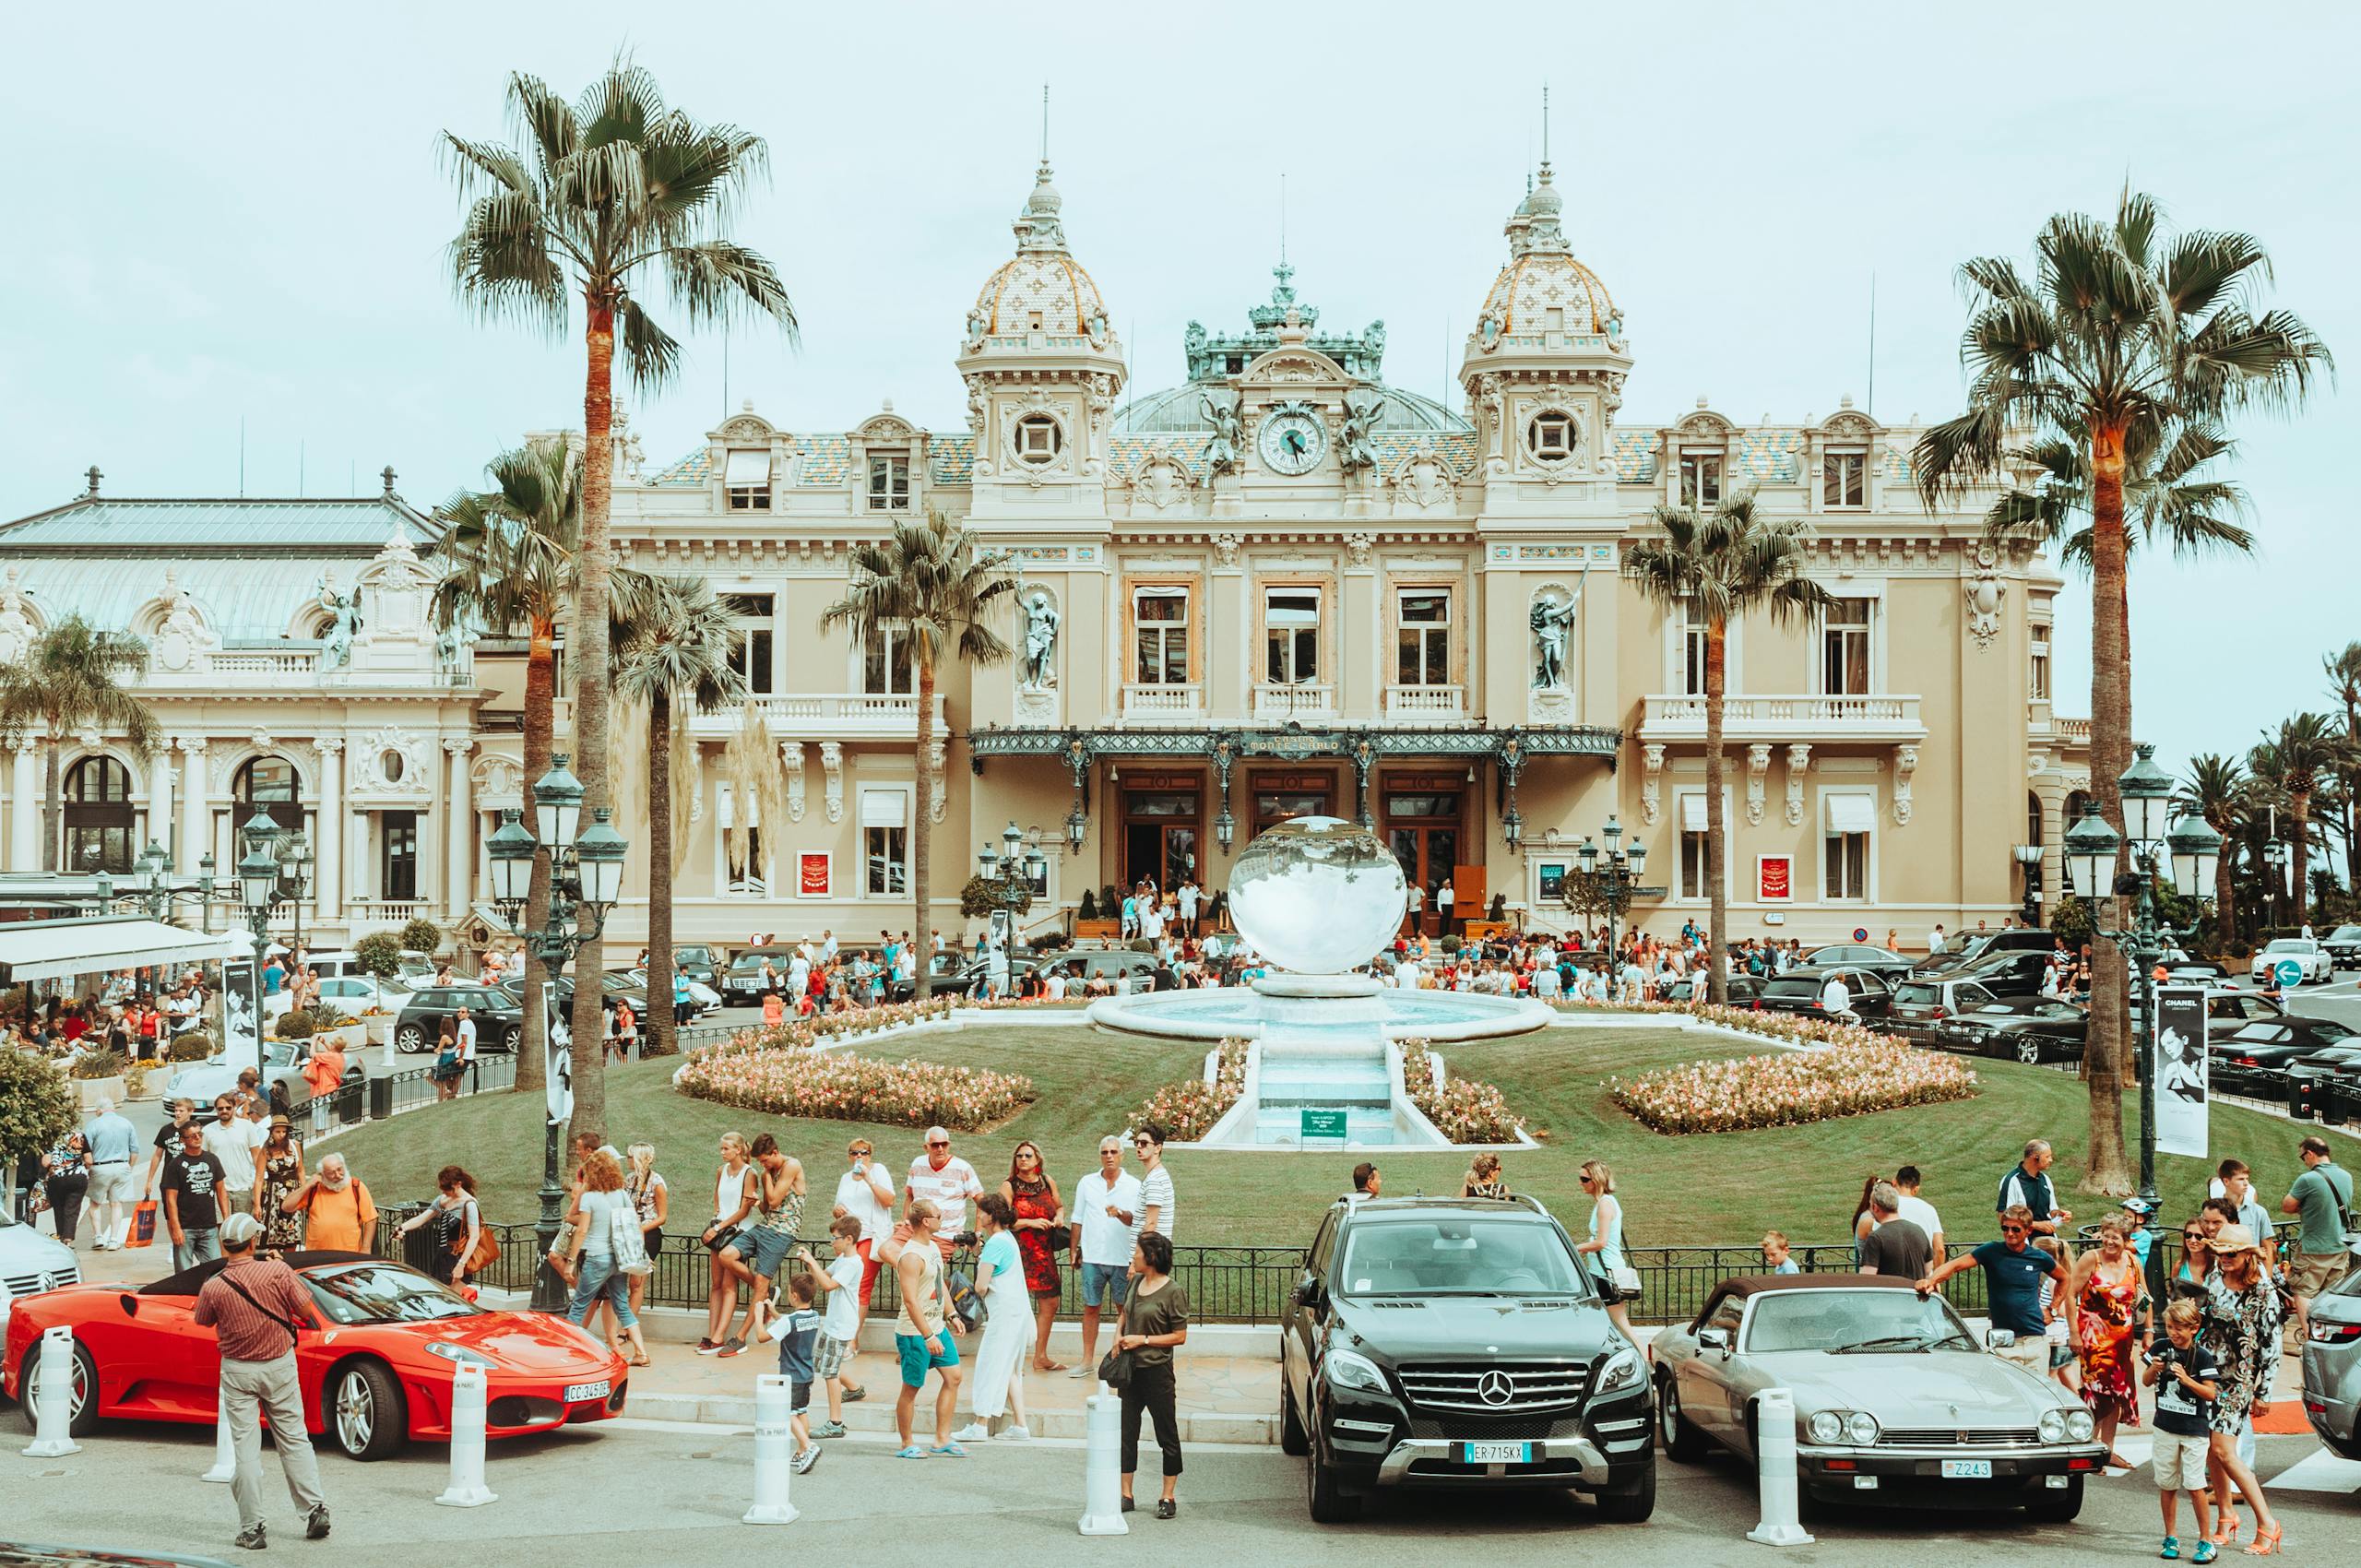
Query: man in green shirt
pixel 2319 1199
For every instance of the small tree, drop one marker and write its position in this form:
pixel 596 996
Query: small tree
pixel 421 935
pixel 980 898
pixel 36 1108
pixel 380 953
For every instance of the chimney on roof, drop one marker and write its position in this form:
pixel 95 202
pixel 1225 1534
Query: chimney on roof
pixel 93 476
pixel 389 481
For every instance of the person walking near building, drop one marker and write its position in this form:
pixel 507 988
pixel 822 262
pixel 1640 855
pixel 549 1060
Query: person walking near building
pixel 256 1308
pixel 334 1210
pixel 233 1140
pixel 921 1337
pixel 167 1143
pixel 839 1285
pixel 2013 1272
pixel 1919 1211
pixel 1605 1241
pixel 2235 1182
pixel 2240 1326
pixel 1039 1213
pixel 111 1141
pixel 455 1219
pixel 795 1327
pixel 734 1191
pixel 2102 1292
pixel 65 1181
pixel 1894 1246
pixel 281 1161
pixel 195 1192
pixel 2027 1183
pixel 945 1181
pixel 651 1199
pixel 1156 1323
pixel 778 1221
pixel 1107 1211
pixel 1483 1179
pixel 998 1392
pixel 1155 1182
pixel 604 1209
pixel 2320 1199
pixel 2183 1373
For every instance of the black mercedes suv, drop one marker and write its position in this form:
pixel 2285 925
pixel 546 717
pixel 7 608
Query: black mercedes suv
pixel 1459 1342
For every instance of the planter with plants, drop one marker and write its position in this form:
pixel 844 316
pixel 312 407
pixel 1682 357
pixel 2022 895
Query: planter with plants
pixel 98 1075
pixel 195 1045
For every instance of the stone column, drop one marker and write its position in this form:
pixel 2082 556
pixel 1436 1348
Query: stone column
pixel 459 829
pixel 327 836
pixel 159 802
pixel 24 802
pixel 197 814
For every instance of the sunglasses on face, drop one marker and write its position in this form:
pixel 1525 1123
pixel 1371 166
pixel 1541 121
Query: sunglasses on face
pixel 934 1144
pixel 2013 1230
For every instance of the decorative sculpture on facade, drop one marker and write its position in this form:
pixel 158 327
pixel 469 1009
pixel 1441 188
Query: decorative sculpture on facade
pixel 1551 616
pixel 1040 642
pixel 1985 591
pixel 344 621
pixel 1362 405
pixel 1229 436
pixel 15 626
pixel 1757 765
pixel 1798 763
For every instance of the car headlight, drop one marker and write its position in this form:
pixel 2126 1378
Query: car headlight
pixel 2051 1428
pixel 458 1353
pixel 2080 1426
pixel 1826 1426
pixel 1621 1370
pixel 1347 1370
pixel 1861 1428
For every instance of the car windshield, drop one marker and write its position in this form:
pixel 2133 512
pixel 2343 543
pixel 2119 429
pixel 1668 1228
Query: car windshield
pixel 2290 945
pixel 2328 1029
pixel 1808 987
pixel 1916 995
pixel 1844 1322
pixel 2345 933
pixel 1455 1255
pixel 382 1292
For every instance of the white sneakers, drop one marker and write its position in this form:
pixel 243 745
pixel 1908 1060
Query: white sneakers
pixel 972 1433
pixel 1015 1434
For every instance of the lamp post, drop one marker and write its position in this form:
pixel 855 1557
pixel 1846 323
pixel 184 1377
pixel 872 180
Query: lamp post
pixel 2188 850
pixel 2275 856
pixel 259 893
pixel 154 871
pixel 295 852
pixel 1011 875
pixel 586 878
pixel 2029 857
pixel 1606 881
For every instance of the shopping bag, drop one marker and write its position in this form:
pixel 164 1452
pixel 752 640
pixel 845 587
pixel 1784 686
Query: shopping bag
pixel 143 1224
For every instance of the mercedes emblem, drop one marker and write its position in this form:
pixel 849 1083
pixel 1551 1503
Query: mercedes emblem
pixel 1495 1388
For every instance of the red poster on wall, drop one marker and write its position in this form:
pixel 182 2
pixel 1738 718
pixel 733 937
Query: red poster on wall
pixel 1774 878
pixel 813 876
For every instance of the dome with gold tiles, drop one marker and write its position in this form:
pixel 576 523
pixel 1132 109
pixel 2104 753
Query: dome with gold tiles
pixel 1041 297
pixel 1543 290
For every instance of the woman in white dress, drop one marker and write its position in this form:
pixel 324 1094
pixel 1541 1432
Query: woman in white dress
pixel 998 1392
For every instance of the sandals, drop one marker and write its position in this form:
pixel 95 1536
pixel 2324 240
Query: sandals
pixel 1049 1366
pixel 639 1360
pixel 947 1451
pixel 2266 1543
pixel 912 1452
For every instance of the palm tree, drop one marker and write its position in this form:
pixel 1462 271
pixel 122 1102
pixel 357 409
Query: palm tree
pixel 671 652
pixel 2343 671
pixel 610 188
pixel 928 582
pixel 2124 339
pixel 2308 753
pixel 66 681
pixel 2218 790
pixel 1718 568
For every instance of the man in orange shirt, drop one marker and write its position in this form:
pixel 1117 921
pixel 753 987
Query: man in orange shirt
pixel 338 1215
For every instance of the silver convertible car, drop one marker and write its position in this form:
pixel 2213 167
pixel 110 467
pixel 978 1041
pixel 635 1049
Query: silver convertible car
pixel 2333 1366
pixel 1895 1401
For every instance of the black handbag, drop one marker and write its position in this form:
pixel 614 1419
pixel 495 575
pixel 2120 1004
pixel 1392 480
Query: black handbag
pixel 1060 1237
pixel 726 1238
pixel 1115 1366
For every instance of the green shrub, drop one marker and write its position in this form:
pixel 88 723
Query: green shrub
pixel 37 1108
pixel 1089 910
pixel 297 1023
pixel 194 1046
pixel 1449 944
pixel 99 1064
pixel 380 953
pixel 980 896
pixel 423 936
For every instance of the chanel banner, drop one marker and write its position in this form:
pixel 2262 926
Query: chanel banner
pixel 2179 1070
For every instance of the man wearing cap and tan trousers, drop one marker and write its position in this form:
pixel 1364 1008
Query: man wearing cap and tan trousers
pixel 255 1306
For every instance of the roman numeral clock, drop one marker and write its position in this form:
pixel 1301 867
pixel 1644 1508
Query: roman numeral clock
pixel 1293 439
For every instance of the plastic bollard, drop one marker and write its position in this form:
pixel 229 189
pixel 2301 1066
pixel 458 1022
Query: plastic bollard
pixel 1775 1457
pixel 1102 1476
pixel 468 1399
pixel 225 1452
pixel 774 1453
pixel 53 1397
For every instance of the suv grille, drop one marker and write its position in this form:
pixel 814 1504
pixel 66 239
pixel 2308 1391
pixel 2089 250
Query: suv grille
pixel 1516 1388
pixel 36 1281
pixel 1946 1437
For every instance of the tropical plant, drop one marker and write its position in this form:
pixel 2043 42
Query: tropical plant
pixel 610 189
pixel 2218 790
pixel 37 1107
pixel 2307 753
pixel 2126 339
pixel 1717 567
pixel 71 680
pixel 2343 671
pixel 671 652
pixel 930 582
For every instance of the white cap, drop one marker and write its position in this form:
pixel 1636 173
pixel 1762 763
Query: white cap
pixel 239 1230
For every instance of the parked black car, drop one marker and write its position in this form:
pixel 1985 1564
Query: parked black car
pixel 1965 947
pixel 615 985
pixel 2253 1059
pixel 1460 1343
pixel 2021 1029
pixel 1798 990
pixel 1921 1004
pixel 1743 989
pixel 1858 956
pixel 420 1022
pixel 2344 946
pixel 2015 971
pixel 741 983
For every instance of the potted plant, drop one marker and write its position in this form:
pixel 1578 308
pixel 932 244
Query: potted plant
pixel 98 1075
pixel 194 1045
pixel 421 935
pixel 37 1107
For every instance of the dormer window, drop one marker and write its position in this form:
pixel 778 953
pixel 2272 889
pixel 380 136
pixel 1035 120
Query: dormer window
pixel 1701 479
pixel 1038 440
pixel 746 480
pixel 1842 479
pixel 1033 322
pixel 1554 319
pixel 1550 434
pixel 889 485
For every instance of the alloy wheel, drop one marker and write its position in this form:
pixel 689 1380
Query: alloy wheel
pixel 356 1411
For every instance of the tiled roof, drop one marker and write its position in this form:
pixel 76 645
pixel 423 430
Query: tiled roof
pixel 1768 457
pixel 1635 455
pixel 270 526
pixel 951 459
pixel 693 469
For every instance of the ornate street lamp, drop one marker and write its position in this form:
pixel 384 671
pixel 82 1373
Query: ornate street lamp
pixel 1605 881
pixel 259 894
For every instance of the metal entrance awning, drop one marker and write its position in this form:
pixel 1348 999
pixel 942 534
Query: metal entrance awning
pixel 32 950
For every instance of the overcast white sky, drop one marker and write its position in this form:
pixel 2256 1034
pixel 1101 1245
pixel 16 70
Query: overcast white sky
pixel 238 214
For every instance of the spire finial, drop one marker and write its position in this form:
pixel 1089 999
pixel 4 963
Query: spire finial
pixel 91 476
pixel 387 475
pixel 1283 218
pixel 1045 124
pixel 1545 125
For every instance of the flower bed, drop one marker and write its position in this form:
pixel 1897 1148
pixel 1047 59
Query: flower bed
pixel 804 1034
pixel 1464 1110
pixel 1187 1111
pixel 799 1082
pixel 1848 1077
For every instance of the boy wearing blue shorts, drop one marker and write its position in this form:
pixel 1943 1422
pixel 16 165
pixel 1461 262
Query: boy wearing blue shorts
pixel 797 1330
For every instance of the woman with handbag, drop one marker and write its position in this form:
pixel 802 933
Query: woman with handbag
pixel 448 1067
pixel 651 1201
pixel 1040 1231
pixel 458 1222
pixel 596 1257
pixel 1156 1321
pixel 997 1391
pixel 1607 1241
pixel 733 1199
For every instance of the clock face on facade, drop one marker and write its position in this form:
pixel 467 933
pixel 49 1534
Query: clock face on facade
pixel 1292 441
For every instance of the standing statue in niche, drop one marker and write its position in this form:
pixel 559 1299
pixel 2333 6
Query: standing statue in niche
pixel 1221 452
pixel 1550 619
pixel 451 646
pixel 344 619
pixel 1361 408
pixel 1040 642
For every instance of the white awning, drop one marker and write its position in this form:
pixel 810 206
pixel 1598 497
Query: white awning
pixel 32 950
pixel 746 469
pixel 725 812
pixel 1693 814
pixel 1848 813
pixel 884 808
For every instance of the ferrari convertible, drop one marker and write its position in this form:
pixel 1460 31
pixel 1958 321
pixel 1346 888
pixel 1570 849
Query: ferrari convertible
pixel 377 1374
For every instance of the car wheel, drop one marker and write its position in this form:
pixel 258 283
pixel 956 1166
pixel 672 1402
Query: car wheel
pixel 365 1411
pixel 2057 1507
pixel 410 1040
pixel 1678 1438
pixel 1327 1501
pixel 81 1408
pixel 2029 1052
pixel 1631 1503
pixel 1293 1440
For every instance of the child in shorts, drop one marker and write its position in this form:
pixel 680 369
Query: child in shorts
pixel 2183 1373
pixel 839 1287
pixel 796 1330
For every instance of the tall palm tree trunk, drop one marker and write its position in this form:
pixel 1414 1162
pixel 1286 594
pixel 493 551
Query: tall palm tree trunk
pixel 2351 815
pixel 2108 1170
pixel 2299 851
pixel 1717 988
pixel 659 1028
pixel 52 800
pixel 590 764
pixel 921 847
pixel 541 722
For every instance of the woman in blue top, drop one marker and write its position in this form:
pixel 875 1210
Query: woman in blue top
pixel 1607 1236
pixel 999 1281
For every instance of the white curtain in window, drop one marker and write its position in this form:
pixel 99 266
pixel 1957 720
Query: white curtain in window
pixel 746 469
pixel 1847 813
pixel 884 808
pixel 1693 814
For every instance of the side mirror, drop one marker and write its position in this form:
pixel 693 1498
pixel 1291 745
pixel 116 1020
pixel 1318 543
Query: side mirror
pixel 1714 1339
pixel 1308 1295
pixel 1998 1339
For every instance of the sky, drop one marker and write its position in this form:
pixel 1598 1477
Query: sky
pixel 235 221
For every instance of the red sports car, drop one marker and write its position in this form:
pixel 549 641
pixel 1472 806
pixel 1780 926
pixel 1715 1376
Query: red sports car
pixel 377 1373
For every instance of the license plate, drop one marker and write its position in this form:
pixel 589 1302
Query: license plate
pixel 576 1393
pixel 1968 1469
pixel 1495 1453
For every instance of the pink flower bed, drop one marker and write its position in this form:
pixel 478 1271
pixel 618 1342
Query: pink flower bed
pixel 1850 1078
pixel 1463 1109
pixel 789 1082
pixel 1187 1111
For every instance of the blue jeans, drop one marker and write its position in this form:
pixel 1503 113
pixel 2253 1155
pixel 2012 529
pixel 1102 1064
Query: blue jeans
pixel 598 1277
pixel 202 1245
pixel 1104 1282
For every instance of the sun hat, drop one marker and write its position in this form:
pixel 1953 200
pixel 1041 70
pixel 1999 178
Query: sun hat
pixel 2233 1238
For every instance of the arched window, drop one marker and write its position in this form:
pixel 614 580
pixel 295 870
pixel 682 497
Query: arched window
pixel 98 816
pixel 268 784
pixel 2033 817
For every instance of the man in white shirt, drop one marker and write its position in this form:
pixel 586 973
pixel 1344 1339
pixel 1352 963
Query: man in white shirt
pixel 1834 999
pixel 1188 905
pixel 946 1181
pixel 1053 984
pixel 466 1037
pixel 1917 1210
pixel 799 973
pixel 1106 1207
pixel 232 1140
pixel 827 947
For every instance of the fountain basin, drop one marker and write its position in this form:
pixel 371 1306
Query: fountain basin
pixel 1316 1007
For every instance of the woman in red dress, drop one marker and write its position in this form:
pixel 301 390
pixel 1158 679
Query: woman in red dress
pixel 2104 1301
pixel 1033 1192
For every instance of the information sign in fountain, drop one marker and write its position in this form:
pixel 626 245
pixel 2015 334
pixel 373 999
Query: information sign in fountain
pixel 1317 897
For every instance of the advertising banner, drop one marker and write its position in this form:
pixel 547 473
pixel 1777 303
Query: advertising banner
pixel 814 874
pixel 1775 879
pixel 2179 1070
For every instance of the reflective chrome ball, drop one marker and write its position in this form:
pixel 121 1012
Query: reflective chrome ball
pixel 1318 894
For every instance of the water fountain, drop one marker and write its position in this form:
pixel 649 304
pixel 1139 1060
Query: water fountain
pixel 1315 897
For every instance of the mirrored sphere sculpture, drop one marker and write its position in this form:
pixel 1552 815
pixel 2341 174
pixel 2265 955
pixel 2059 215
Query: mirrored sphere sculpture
pixel 1317 895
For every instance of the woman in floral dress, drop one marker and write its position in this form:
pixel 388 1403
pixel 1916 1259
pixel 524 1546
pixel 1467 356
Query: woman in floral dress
pixel 2241 1328
pixel 280 1175
pixel 2106 1292
pixel 1032 1192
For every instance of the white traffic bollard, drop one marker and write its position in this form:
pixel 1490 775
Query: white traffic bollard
pixel 225 1452
pixel 1102 1475
pixel 774 1453
pixel 1774 1451
pixel 468 1399
pixel 52 1397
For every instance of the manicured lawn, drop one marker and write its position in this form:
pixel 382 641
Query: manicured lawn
pixel 1678 1191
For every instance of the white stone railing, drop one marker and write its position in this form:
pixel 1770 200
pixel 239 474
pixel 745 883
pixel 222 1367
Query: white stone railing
pixel 1881 716
pixel 1284 702
pixel 828 715
pixel 1428 703
pixel 1163 702
pixel 387 911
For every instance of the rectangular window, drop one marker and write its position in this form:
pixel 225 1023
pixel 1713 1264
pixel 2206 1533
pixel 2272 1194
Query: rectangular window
pixel 751 640
pixel 1693 654
pixel 2038 683
pixel 1693 859
pixel 889 485
pixel 1845 648
pixel 1701 479
pixel 886 851
pixel 1291 636
pixel 1160 625
pixel 1423 650
pixel 885 663
pixel 1841 475
pixel 746 480
pixel 1844 848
